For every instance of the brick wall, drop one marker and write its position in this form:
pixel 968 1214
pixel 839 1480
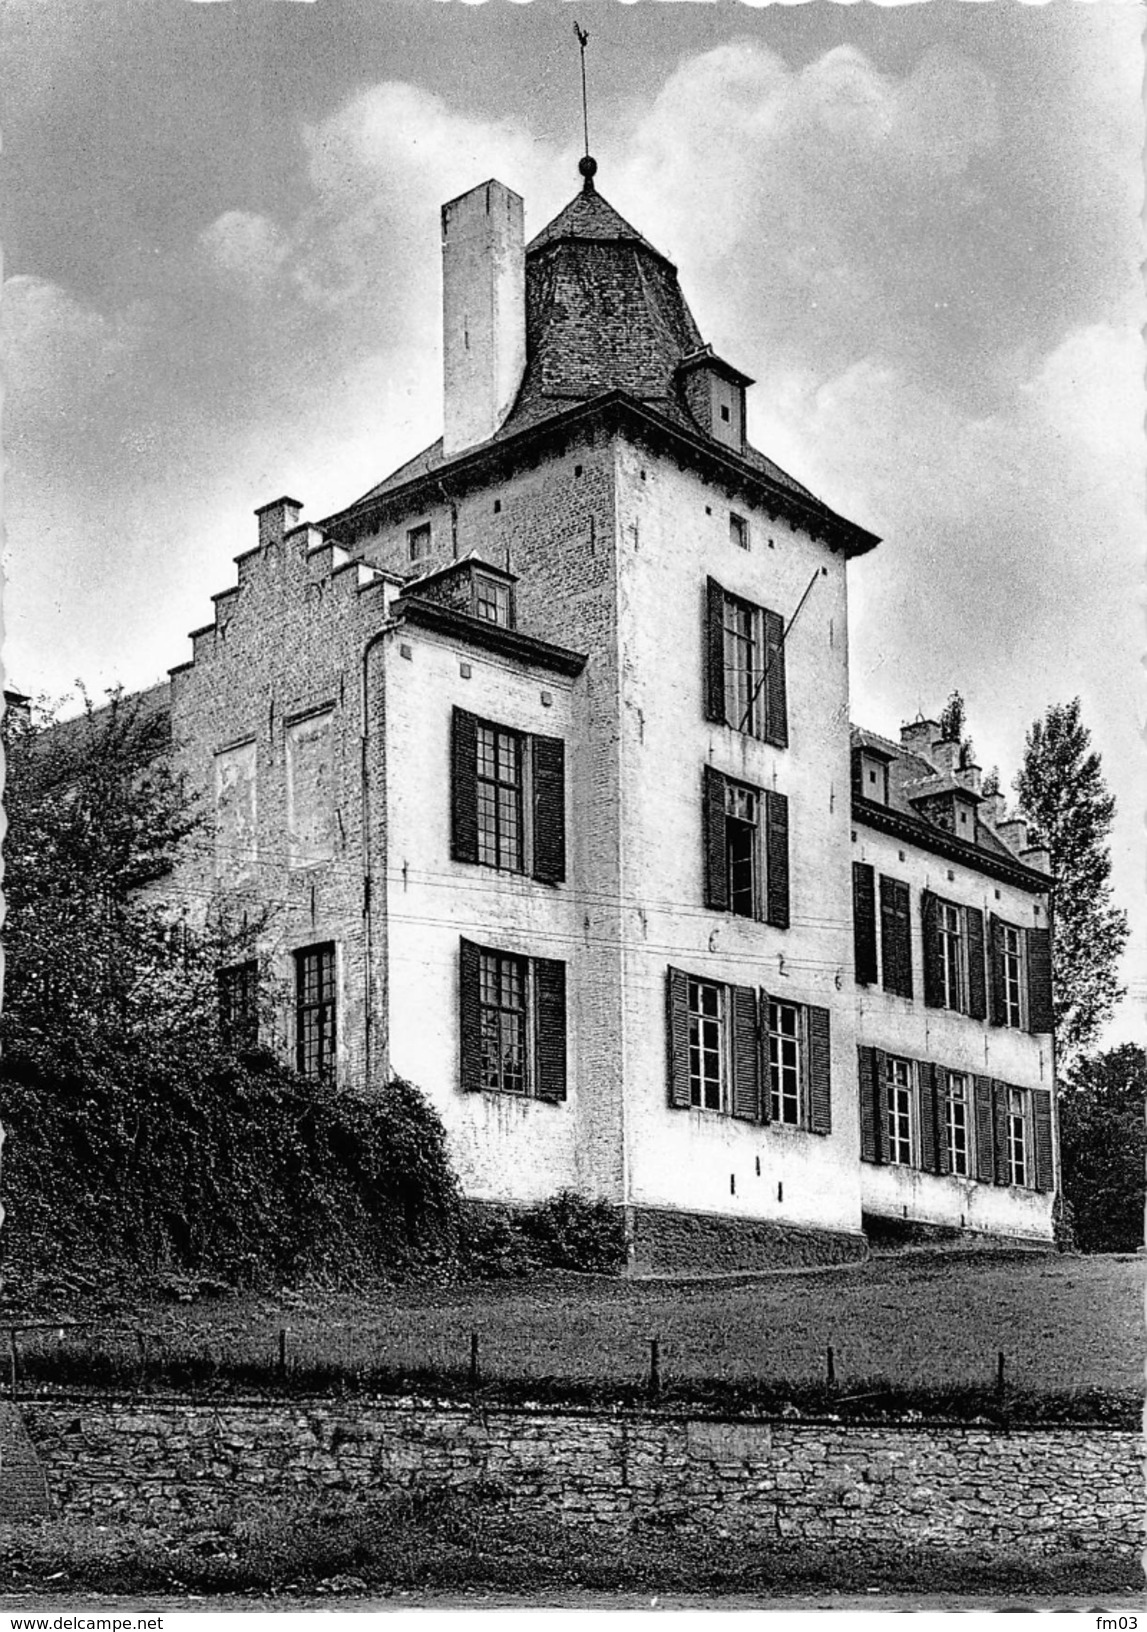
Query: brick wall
pixel 1031 1491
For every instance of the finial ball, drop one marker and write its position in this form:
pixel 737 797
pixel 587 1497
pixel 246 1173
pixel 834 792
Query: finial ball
pixel 587 167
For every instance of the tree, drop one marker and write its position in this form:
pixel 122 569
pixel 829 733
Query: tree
pixel 142 1143
pixel 1062 795
pixel 1103 1148
pixel 953 719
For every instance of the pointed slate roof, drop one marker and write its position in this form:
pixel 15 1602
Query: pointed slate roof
pixel 604 313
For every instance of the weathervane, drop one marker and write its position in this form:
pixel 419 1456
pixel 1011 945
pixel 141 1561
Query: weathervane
pixel 586 165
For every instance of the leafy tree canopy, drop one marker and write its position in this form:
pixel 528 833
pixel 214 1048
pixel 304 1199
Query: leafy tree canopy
pixel 1063 796
pixel 1103 1147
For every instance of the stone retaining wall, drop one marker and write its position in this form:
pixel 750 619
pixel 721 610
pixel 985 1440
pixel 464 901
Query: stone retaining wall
pixel 1038 1491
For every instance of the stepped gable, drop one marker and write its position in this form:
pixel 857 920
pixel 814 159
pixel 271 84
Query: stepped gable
pixel 604 312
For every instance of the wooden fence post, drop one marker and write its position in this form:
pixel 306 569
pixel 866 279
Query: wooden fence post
pixel 831 1368
pixel 473 1360
pixel 654 1368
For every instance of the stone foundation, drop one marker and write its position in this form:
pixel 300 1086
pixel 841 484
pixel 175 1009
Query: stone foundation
pixel 669 1242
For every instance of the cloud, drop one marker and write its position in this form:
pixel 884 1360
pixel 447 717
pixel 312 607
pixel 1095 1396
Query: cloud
pixel 248 249
pixel 59 354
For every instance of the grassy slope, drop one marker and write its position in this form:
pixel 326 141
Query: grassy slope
pixel 914 1321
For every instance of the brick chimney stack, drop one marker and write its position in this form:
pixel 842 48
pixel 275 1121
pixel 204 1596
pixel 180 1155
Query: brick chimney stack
pixel 483 313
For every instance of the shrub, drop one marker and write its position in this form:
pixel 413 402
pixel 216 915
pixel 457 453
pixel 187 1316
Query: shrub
pixel 570 1232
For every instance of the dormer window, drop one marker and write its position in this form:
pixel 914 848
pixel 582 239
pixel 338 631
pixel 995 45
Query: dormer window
pixel 715 393
pixel 492 600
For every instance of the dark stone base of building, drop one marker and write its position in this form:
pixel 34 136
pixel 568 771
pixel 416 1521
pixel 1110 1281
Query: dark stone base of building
pixel 666 1242
pixel 887 1233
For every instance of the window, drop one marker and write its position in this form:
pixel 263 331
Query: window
pixel 726 1043
pixel 958 1123
pixel 900 1110
pixel 492 600
pixel 238 993
pixel 738 526
pixel 745 667
pixel 899 1106
pixel 500 799
pixel 502 996
pixel 1017 1136
pixel 864 922
pixel 952 956
pixel 1012 954
pixel 512 1023
pixel 954 969
pixel 315 1010
pixel 1021 977
pixel 706 1045
pixel 742 863
pixel 507 798
pixel 418 542
pixel 746 849
pixel 786 1063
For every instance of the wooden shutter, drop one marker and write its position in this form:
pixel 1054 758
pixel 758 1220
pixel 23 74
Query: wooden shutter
pixel 999 1014
pixel 746 1054
pixel 1041 1016
pixel 926 1098
pixel 677 995
pixel 713 824
pixel 464 787
pixel 469 1018
pixel 1000 1125
pixel 819 1070
pixel 864 922
pixel 985 1129
pixel 763 1000
pixel 776 859
pixel 1044 1156
pixel 870 1074
pixel 776 694
pixel 933 959
pixel 895 936
pixel 940 1099
pixel 550 1028
pixel 977 978
pixel 549 777
pixel 715 652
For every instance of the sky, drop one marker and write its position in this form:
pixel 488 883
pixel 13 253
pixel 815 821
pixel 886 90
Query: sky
pixel 916 226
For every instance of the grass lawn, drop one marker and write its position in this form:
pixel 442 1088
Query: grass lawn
pixel 1065 1324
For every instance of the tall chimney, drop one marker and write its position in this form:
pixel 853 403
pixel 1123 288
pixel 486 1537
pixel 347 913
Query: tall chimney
pixel 483 313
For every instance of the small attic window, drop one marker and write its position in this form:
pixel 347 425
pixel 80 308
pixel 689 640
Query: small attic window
pixel 492 601
pixel 738 530
pixel 725 412
pixel 418 542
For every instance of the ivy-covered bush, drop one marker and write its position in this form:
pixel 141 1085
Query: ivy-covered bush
pixel 567 1231
pixel 222 1171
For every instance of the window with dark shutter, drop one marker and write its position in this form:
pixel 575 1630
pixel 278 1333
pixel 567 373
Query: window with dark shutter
pixel 864 922
pixel 933 951
pixel 929 1126
pixel 677 1017
pixel 1002 1172
pixel 985 1130
pixel 715 652
pixel 977 982
pixel 1041 1015
pixel 746 1054
pixel 819 1070
pixel 999 1009
pixel 550 1028
pixel 713 819
pixel 870 1068
pixel 1044 1155
pixel 469 1018
pixel 464 787
pixel 895 937
pixel 776 859
pixel 549 769
pixel 776 695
